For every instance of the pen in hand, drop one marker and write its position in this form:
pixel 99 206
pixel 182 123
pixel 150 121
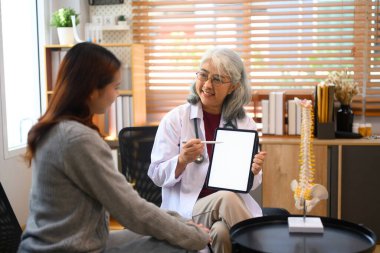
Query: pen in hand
pixel 206 142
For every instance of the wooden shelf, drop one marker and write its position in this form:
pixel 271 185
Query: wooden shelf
pixel 281 166
pixel 126 92
pixel 286 139
pixel 137 63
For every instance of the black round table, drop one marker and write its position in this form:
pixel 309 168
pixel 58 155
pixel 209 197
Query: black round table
pixel 271 234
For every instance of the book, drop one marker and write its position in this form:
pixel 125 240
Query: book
pixel 265 116
pixel 131 110
pixel 331 90
pixel 272 113
pixel 280 113
pixel 324 103
pixel 292 117
pixel 298 119
pixel 119 114
pixel 126 80
pixel 318 102
pixel 126 111
pixel 55 62
pixel 62 55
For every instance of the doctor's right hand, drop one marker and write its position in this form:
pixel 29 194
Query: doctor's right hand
pixel 190 150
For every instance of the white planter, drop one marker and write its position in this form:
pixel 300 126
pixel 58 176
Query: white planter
pixel 65 35
pixel 122 23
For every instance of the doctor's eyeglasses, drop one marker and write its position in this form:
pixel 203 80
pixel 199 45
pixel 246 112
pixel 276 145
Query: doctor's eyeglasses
pixel 216 80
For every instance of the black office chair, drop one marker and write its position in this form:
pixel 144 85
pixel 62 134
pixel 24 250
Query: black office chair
pixel 10 230
pixel 135 145
pixel 268 211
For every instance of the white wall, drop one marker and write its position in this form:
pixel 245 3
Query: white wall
pixel 16 180
pixel 15 176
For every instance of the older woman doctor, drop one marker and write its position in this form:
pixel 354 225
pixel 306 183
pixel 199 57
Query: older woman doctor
pixel 217 98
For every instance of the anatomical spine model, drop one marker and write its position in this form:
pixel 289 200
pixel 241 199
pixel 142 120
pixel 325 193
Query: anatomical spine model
pixel 306 193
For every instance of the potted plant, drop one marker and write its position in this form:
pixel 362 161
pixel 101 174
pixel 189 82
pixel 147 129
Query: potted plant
pixel 121 20
pixel 63 21
pixel 345 89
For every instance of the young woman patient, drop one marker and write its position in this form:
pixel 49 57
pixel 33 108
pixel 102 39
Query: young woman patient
pixel 75 184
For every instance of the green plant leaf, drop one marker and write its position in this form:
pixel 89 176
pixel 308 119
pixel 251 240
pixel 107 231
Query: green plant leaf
pixel 62 17
pixel 121 18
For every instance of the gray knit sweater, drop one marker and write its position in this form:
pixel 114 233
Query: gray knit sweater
pixel 75 183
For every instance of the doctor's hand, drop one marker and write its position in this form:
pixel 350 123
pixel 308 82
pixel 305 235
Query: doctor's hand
pixel 258 162
pixel 190 150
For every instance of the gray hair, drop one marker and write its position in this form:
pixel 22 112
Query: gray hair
pixel 227 61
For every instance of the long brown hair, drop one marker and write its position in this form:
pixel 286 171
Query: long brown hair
pixel 85 67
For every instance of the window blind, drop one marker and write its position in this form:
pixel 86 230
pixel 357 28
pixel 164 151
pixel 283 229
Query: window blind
pixel 286 45
pixel 370 97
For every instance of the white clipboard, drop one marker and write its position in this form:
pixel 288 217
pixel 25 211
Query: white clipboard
pixel 230 167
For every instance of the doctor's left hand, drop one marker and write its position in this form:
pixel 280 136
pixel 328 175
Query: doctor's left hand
pixel 258 162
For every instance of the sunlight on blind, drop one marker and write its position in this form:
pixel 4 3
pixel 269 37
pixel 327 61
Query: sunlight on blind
pixel 289 45
pixel 371 93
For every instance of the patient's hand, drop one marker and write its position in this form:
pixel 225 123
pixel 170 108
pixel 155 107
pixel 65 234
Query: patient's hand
pixel 201 226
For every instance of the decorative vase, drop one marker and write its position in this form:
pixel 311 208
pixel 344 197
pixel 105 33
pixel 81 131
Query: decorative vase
pixel 65 35
pixel 344 118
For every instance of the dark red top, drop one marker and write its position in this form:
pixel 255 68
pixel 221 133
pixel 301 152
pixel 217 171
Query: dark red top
pixel 211 123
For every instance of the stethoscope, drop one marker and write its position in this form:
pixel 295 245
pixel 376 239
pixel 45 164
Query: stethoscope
pixel 200 158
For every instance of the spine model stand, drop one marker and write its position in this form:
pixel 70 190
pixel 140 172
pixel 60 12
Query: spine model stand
pixel 306 193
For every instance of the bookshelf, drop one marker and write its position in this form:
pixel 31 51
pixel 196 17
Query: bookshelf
pixel 137 73
pixel 262 114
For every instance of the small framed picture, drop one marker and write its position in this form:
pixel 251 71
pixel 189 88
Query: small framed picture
pixel 97 20
pixel 108 20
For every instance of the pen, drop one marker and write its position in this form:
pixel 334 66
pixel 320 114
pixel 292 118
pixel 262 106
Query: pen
pixel 207 142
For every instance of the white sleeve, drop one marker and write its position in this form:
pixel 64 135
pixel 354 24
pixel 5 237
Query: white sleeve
pixel 165 151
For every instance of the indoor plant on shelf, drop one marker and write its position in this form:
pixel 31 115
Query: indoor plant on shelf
pixel 121 20
pixel 62 20
pixel 345 89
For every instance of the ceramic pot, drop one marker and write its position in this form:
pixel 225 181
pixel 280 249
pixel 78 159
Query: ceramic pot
pixel 65 35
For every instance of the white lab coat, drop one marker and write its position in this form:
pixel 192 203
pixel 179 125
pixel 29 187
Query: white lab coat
pixel 180 194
